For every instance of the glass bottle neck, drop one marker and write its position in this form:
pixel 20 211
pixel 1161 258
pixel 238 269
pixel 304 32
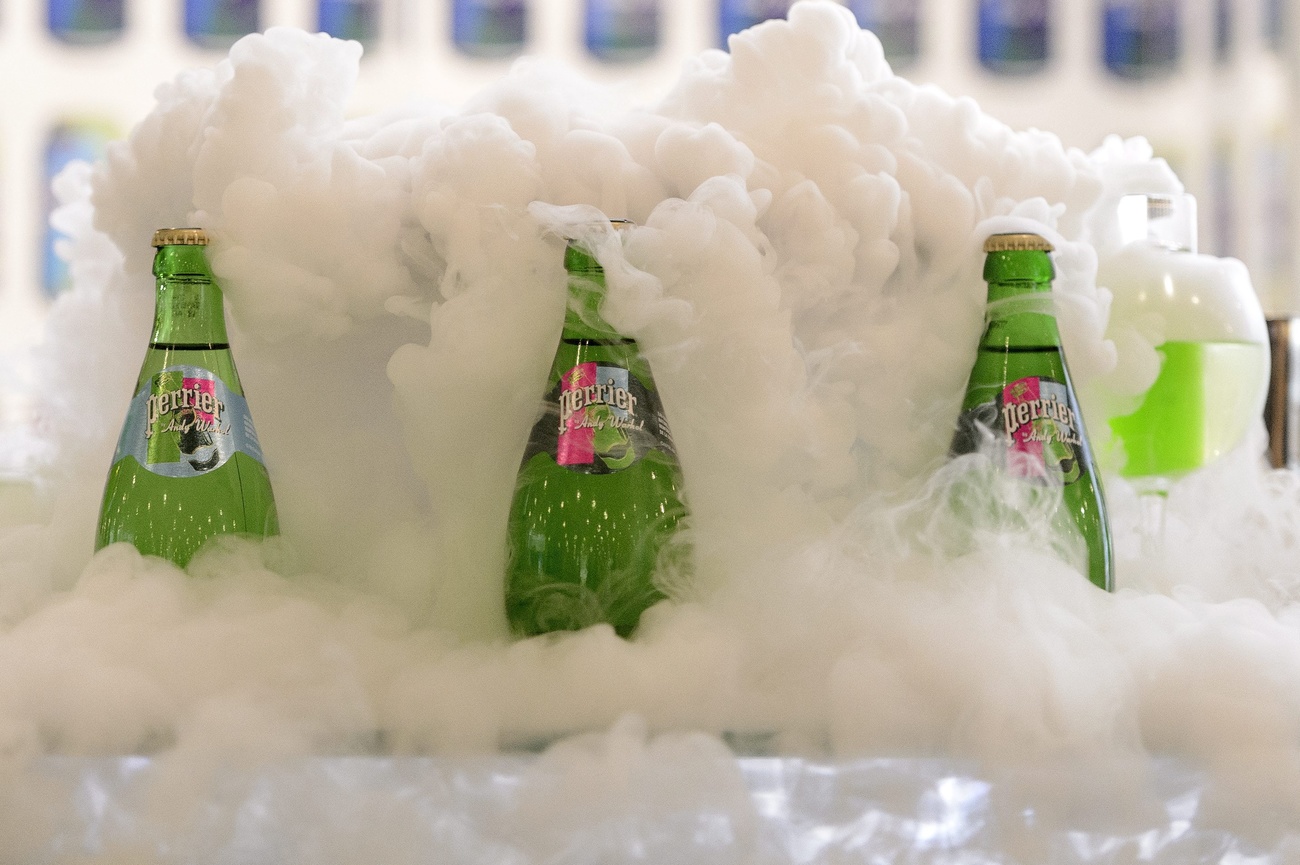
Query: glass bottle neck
pixel 582 317
pixel 188 311
pixel 1017 317
pixel 1020 311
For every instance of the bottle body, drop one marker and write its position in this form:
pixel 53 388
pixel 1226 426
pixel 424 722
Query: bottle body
pixel 1020 409
pixel 188 463
pixel 597 518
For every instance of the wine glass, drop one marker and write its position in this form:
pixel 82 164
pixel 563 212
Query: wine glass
pixel 1212 338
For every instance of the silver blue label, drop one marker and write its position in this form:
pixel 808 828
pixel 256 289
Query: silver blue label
pixel 185 422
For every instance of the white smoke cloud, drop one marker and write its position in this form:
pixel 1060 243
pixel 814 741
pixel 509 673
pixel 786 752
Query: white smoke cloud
pixel 805 280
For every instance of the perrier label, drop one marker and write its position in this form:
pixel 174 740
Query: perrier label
pixel 183 415
pixel 597 523
pixel 184 422
pixel 1020 408
pixel 600 418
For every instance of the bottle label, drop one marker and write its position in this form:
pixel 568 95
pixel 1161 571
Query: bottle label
pixel 1033 421
pixel 600 419
pixel 185 422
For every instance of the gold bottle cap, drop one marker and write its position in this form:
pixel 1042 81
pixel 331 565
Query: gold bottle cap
pixel 1017 243
pixel 619 225
pixel 180 237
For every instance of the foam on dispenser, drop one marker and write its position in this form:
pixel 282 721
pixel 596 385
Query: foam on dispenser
pixel 1202 317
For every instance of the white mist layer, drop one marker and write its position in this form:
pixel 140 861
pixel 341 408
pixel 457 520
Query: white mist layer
pixel 806 283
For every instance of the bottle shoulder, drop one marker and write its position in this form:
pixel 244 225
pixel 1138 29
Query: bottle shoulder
pixel 996 368
pixel 217 360
pixel 616 351
pixel 189 312
pixel 1025 331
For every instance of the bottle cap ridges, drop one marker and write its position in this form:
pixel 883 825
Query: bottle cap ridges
pixel 180 237
pixel 1017 243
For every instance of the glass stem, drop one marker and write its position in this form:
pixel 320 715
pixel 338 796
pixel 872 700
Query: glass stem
pixel 1152 525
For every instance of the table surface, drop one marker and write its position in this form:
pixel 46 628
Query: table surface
pixel 681 804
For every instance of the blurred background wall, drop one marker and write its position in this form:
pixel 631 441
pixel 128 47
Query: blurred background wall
pixel 1207 81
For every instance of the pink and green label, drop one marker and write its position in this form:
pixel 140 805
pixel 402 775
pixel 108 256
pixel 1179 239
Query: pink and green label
pixel 1031 427
pixel 1041 425
pixel 600 418
pixel 596 411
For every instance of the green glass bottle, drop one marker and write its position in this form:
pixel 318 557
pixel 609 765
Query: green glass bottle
pixel 1020 407
pixel 188 465
pixel 597 511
